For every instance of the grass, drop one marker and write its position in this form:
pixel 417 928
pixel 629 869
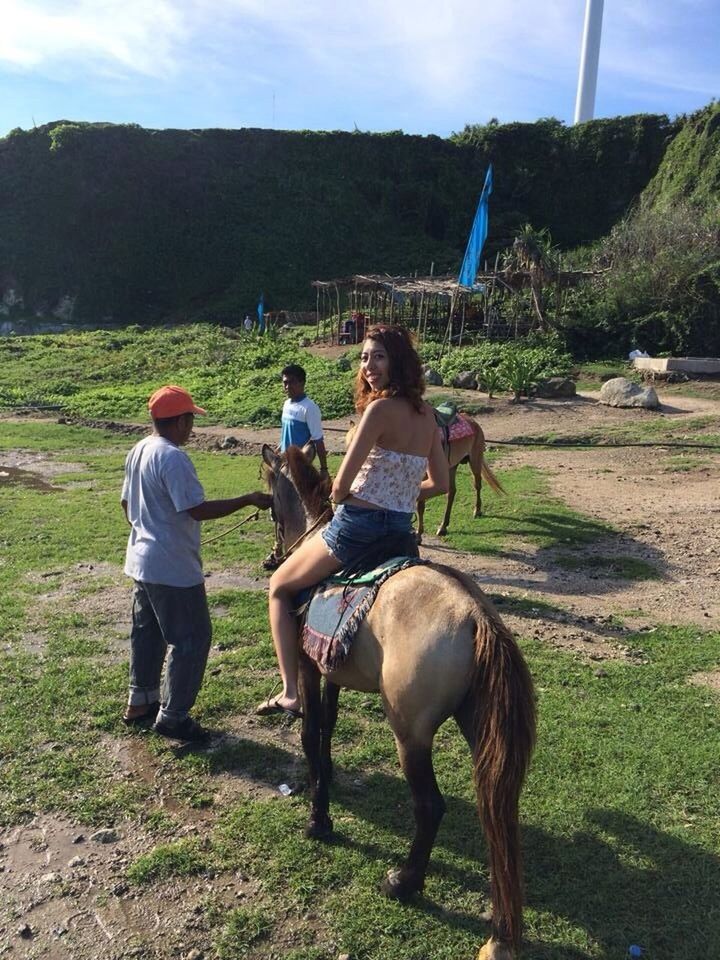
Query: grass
pixel 621 813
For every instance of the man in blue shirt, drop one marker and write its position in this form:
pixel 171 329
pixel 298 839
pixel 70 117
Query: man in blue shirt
pixel 301 419
pixel 301 422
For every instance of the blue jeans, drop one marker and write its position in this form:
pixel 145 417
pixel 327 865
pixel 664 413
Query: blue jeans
pixel 170 625
pixel 353 531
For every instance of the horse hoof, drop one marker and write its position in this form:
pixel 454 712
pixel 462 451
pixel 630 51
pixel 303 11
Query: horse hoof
pixel 495 950
pixel 320 829
pixel 399 887
pixel 418 539
pixel 441 532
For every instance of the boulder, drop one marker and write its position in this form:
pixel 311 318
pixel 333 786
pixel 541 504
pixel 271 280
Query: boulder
pixel 465 380
pixel 555 388
pixel 621 392
pixel 432 377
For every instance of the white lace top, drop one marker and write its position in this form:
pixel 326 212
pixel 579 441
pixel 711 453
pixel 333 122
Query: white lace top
pixel 390 480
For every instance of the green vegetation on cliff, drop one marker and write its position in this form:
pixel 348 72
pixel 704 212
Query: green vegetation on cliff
pixel 134 224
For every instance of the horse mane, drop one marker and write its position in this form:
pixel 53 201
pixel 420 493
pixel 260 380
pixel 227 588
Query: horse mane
pixel 313 490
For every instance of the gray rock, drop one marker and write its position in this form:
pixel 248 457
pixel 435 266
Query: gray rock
pixel 555 387
pixel 432 377
pixel 465 380
pixel 621 392
pixel 106 835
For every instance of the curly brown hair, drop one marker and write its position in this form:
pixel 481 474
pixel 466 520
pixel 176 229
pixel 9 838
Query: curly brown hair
pixel 406 374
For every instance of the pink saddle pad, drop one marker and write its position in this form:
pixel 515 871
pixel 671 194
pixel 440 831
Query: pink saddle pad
pixel 460 429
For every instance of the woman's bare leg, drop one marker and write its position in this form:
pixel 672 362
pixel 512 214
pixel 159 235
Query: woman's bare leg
pixel 310 564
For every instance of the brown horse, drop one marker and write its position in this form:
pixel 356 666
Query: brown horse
pixel 469 449
pixel 433 647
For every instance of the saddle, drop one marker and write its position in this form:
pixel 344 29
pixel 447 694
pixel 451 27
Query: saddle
pixel 452 424
pixel 332 617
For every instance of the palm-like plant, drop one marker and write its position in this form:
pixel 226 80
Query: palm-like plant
pixel 534 256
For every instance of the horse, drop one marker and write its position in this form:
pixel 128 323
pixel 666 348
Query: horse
pixel 468 449
pixel 433 647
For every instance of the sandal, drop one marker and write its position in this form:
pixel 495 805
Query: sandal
pixel 268 707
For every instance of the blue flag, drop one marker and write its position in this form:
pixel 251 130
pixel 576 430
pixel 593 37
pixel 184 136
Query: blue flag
pixel 478 234
pixel 261 313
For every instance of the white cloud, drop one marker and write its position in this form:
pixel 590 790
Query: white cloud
pixel 130 35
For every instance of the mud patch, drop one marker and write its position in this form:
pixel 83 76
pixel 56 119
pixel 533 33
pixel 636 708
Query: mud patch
pixel 32 468
pixel 710 679
pixel 66 896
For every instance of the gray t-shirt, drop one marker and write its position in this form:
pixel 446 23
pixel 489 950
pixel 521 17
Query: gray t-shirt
pixel 160 486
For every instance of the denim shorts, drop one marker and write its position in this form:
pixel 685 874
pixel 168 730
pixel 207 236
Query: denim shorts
pixel 354 530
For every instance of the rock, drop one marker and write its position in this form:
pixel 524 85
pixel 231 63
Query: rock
pixel 49 878
pixel 76 862
pixel 621 392
pixel 432 377
pixel 228 442
pixel 465 380
pixel 554 388
pixel 194 954
pixel 25 931
pixel 106 835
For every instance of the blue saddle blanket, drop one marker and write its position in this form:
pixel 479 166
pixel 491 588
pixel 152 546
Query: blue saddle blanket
pixel 338 607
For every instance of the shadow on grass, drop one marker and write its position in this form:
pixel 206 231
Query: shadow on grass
pixel 620 880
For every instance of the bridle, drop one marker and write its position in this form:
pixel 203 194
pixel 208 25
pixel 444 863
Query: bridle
pixel 324 516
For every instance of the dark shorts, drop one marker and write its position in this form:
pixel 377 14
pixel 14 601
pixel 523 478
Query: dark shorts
pixel 353 531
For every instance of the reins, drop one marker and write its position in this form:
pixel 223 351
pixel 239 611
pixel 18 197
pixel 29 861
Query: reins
pixel 252 516
pixel 311 529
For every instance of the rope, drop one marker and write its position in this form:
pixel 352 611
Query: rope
pixel 303 536
pixel 589 446
pixel 252 516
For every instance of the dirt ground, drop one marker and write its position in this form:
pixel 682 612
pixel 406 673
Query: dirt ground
pixel 64 890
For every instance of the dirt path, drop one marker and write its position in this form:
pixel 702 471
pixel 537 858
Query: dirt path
pixel 66 893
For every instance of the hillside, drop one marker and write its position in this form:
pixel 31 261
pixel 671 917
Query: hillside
pixel 690 169
pixel 153 225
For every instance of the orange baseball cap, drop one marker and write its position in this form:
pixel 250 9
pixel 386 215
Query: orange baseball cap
pixel 171 401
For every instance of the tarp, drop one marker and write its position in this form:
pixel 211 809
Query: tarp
pixel 478 234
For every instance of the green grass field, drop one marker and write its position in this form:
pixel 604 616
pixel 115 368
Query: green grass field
pixel 621 812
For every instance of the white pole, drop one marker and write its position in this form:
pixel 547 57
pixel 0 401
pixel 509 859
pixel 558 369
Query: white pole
pixel 589 58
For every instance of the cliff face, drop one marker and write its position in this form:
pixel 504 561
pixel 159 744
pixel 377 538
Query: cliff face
pixel 101 222
pixel 690 169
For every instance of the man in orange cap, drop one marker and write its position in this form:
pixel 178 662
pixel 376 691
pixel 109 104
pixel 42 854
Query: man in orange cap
pixel 164 501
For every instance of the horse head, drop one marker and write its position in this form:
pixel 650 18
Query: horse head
pixel 299 493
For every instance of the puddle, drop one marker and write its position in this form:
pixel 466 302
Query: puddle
pixel 14 476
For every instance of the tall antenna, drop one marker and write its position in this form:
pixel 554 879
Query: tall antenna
pixel 589 58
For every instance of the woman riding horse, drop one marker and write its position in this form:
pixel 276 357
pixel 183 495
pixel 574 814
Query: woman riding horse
pixel 375 492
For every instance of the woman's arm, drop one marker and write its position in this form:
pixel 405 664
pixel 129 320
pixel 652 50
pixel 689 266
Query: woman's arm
pixel 438 472
pixel 365 437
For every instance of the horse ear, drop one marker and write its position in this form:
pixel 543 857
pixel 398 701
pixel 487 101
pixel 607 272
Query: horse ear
pixel 309 451
pixel 271 458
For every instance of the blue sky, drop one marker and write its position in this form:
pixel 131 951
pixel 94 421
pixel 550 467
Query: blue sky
pixel 423 66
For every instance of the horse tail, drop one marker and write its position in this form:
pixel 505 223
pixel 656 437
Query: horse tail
pixel 490 478
pixel 502 704
pixel 477 458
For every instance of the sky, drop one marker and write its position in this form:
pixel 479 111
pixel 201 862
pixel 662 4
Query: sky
pixel 422 66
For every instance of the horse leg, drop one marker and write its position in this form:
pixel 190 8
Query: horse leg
pixel 429 807
pixel 421 520
pixel 319 825
pixel 442 529
pixel 330 696
pixel 477 454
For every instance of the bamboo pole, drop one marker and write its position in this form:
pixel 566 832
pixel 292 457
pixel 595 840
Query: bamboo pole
pixel 317 315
